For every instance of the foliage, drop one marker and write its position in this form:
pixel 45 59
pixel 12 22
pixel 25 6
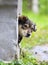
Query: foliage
pixel 41 35
pixel 43 6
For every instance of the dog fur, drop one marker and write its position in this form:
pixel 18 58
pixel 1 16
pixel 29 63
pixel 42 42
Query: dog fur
pixel 25 26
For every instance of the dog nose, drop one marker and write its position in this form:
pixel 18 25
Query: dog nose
pixel 28 35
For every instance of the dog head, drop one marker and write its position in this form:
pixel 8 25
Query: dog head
pixel 26 27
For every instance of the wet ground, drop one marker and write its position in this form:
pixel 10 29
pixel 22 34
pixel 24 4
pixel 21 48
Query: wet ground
pixel 40 52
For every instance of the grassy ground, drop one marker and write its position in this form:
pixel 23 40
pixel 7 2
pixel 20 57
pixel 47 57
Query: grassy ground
pixel 41 35
pixel 37 38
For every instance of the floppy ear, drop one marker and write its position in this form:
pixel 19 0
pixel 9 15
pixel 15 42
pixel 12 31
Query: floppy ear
pixel 22 19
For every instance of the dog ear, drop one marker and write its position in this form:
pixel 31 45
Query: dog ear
pixel 22 19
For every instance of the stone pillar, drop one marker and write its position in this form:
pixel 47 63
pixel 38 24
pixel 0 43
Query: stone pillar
pixel 8 29
pixel 19 7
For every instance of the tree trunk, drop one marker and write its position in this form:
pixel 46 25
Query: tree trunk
pixel 35 7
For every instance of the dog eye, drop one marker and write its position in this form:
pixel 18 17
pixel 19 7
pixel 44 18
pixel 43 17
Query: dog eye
pixel 26 25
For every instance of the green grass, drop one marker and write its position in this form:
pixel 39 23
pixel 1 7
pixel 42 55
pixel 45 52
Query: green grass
pixel 37 38
pixel 41 35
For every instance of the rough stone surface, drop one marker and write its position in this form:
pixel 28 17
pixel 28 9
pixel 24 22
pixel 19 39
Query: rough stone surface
pixel 40 52
pixel 8 29
pixel 7 37
pixel 8 2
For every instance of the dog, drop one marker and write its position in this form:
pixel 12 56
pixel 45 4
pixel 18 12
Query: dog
pixel 25 27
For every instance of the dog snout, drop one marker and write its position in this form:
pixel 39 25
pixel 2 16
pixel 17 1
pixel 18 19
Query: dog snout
pixel 27 35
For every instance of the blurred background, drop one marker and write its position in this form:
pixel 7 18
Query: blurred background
pixel 37 11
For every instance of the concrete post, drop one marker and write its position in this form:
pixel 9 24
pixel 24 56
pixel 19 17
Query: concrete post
pixel 8 29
